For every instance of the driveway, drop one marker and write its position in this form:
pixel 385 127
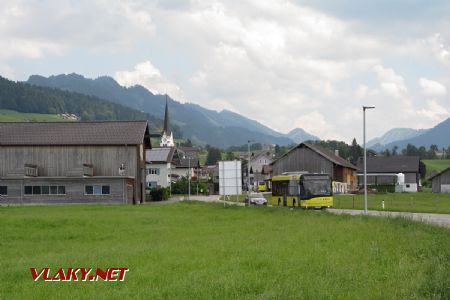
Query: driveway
pixel 442 220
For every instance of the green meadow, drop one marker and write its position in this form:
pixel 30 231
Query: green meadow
pixel 7 115
pixel 424 202
pixel 192 250
pixel 435 165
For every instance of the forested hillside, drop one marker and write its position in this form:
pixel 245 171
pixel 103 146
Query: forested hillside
pixel 28 98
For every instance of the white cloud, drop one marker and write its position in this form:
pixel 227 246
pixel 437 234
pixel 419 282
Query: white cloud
pixel 432 88
pixel 392 84
pixel 434 111
pixel 32 29
pixel 280 62
pixel 147 75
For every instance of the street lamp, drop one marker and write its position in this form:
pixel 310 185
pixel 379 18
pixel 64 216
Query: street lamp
pixel 248 167
pixel 365 157
pixel 189 175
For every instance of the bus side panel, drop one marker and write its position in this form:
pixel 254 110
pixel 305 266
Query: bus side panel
pixel 292 201
pixel 318 202
pixel 276 200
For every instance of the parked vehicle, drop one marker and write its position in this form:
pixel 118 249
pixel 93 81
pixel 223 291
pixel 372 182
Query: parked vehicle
pixel 256 198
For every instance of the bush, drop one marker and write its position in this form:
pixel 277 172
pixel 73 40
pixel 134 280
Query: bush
pixel 182 187
pixel 159 194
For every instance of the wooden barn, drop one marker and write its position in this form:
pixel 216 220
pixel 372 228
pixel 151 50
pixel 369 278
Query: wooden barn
pixel 73 162
pixel 440 182
pixel 315 159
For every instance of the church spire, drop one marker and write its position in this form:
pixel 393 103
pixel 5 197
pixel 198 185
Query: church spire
pixel 167 136
pixel 166 119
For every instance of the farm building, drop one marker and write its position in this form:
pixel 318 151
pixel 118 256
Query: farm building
pixel 315 159
pixel 440 182
pixel 73 162
pixel 383 170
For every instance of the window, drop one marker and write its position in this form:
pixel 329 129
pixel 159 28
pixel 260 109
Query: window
pixel 44 190
pixel 3 190
pixel 152 184
pixel 28 190
pixel 97 189
pixel 36 190
pixel 153 171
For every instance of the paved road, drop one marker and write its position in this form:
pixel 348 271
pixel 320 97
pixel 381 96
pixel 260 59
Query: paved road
pixel 435 219
pixel 210 199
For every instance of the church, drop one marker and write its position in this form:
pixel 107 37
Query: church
pixel 168 163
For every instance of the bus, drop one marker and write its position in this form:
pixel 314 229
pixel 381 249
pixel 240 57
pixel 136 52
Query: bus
pixel 307 190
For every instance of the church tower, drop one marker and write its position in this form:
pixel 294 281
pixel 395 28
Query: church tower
pixel 167 136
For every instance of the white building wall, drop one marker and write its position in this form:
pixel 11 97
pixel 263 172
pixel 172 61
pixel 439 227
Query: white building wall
pixel 162 179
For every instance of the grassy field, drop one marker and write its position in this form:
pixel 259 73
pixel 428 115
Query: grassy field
pixel 436 165
pixel 426 202
pixel 205 251
pixel 14 116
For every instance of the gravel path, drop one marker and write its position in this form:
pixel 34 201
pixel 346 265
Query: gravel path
pixel 435 219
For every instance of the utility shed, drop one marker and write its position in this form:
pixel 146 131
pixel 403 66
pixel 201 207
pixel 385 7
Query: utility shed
pixel 440 182
pixel 382 170
pixel 73 162
pixel 315 159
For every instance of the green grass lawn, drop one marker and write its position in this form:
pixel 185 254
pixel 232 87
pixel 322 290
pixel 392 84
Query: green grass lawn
pixel 426 202
pixel 7 115
pixel 205 251
pixel 436 165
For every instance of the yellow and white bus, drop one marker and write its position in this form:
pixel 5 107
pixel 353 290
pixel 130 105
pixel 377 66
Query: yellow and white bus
pixel 302 190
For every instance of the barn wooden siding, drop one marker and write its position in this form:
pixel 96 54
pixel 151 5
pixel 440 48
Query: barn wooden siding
pixel 120 193
pixel 303 159
pixel 65 161
pixel 443 178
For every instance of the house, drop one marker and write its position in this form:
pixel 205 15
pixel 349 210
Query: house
pixel 73 162
pixel 257 163
pixel 384 170
pixel 159 167
pixel 312 158
pixel 184 166
pixel 440 182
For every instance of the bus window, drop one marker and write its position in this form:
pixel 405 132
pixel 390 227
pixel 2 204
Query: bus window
pixel 293 188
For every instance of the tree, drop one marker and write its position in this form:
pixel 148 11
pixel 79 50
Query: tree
pixel 230 156
pixel 214 155
pixel 355 151
pixel 394 151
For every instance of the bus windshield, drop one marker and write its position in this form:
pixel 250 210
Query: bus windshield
pixel 315 188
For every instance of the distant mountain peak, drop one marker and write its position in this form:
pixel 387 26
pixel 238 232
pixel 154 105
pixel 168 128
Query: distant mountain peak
pixel 394 135
pixel 201 125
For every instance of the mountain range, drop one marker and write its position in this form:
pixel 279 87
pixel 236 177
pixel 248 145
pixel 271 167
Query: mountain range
pixel 401 137
pixel 393 135
pixel 202 126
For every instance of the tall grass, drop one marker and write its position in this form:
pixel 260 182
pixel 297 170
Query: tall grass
pixel 206 251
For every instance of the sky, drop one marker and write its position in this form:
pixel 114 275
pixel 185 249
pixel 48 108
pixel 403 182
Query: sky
pixel 286 64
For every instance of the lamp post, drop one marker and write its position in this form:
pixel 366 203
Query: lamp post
pixel 248 166
pixel 189 175
pixel 365 157
pixel 189 178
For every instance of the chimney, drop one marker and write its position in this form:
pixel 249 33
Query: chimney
pixel 336 152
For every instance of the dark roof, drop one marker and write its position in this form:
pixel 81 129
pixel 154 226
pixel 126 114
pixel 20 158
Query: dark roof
pixel 189 151
pixel 324 153
pixel 438 173
pixel 184 163
pixel 160 155
pixel 391 164
pixel 74 133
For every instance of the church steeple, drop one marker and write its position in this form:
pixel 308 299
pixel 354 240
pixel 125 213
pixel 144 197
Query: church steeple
pixel 166 119
pixel 167 136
